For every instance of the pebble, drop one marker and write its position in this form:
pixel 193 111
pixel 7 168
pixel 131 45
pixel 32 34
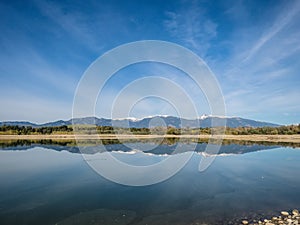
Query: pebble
pixel 285 219
pixel 295 212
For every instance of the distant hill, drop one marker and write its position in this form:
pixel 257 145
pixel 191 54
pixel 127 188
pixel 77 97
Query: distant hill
pixel 203 121
pixel 18 123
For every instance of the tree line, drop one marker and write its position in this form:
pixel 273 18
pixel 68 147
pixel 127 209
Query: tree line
pixel 27 130
pixel 282 130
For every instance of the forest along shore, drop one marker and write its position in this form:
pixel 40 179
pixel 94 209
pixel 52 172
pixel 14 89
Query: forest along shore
pixel 266 138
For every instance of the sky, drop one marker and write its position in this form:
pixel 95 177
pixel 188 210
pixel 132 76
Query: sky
pixel 251 47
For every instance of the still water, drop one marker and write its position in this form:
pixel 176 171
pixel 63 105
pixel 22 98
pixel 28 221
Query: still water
pixel 51 183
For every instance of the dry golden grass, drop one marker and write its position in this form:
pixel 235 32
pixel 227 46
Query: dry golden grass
pixel 267 138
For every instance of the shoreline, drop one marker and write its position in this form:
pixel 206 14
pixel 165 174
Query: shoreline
pixel 266 138
pixel 285 217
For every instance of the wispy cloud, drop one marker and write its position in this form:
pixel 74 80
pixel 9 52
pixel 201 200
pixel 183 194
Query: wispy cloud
pixel 177 90
pixel 74 24
pixel 90 24
pixel 27 64
pixel 260 74
pixel 191 26
pixel 21 105
pixel 280 23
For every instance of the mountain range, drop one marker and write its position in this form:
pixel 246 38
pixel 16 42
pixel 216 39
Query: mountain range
pixel 152 121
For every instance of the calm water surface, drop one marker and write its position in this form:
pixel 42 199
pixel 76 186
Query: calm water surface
pixel 44 183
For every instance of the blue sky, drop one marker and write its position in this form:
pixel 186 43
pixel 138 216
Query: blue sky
pixel 252 47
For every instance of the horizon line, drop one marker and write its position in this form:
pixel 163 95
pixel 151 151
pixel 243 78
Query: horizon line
pixel 134 119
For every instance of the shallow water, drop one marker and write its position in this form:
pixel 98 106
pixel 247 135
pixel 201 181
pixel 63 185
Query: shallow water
pixel 53 184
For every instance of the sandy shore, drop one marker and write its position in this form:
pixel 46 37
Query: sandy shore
pixel 266 138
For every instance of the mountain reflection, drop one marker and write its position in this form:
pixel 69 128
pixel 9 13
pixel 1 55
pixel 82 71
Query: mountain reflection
pixel 154 146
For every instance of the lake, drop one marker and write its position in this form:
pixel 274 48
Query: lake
pixel 50 182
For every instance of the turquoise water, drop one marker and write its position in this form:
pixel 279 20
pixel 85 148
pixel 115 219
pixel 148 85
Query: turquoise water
pixel 50 184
